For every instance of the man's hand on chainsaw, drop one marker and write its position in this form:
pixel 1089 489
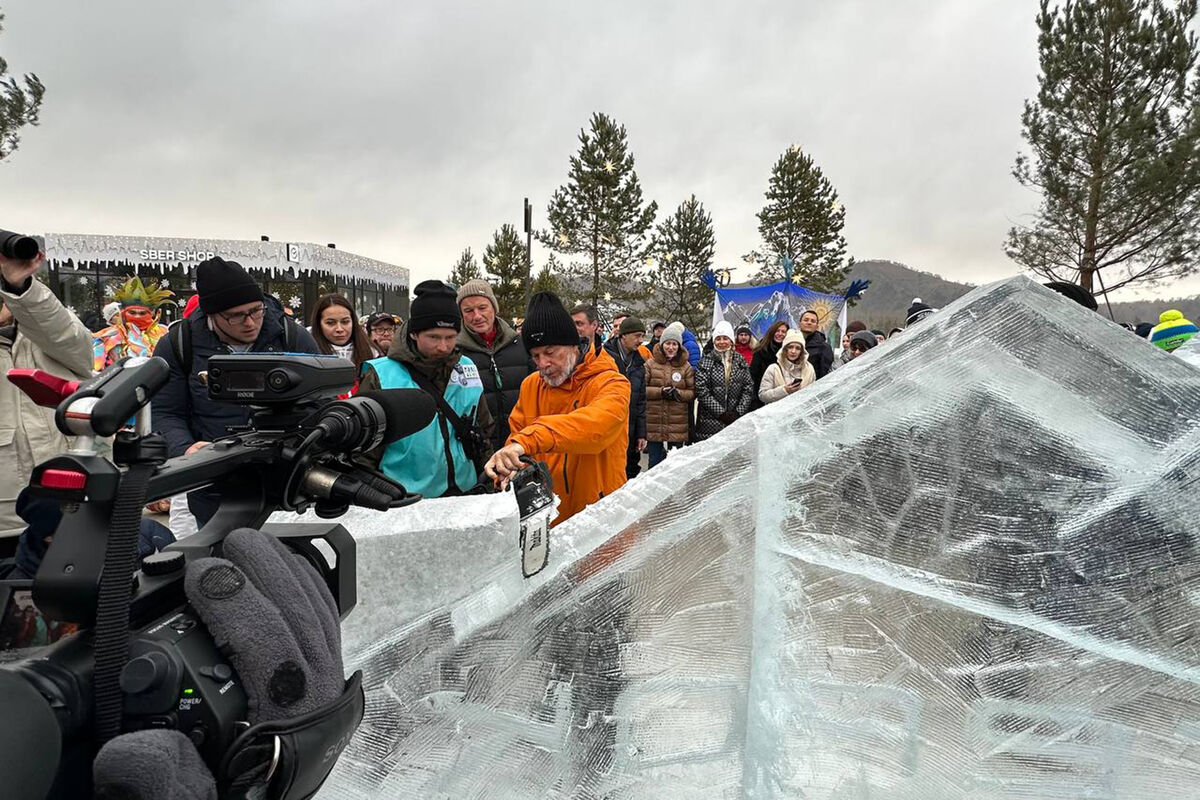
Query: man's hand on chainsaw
pixel 505 463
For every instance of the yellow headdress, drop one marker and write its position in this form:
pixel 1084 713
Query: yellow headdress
pixel 134 293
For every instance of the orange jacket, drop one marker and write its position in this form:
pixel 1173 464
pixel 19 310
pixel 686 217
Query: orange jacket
pixel 580 429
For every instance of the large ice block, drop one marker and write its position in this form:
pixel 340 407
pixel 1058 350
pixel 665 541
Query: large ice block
pixel 963 566
pixel 413 560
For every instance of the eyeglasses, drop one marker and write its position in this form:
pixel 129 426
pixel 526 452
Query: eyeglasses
pixel 239 317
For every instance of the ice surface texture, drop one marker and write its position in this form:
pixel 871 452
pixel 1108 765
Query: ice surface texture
pixel 963 566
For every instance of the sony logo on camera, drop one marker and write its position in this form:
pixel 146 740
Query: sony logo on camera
pixel 175 255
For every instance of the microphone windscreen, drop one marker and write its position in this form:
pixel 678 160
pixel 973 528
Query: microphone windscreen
pixel 406 411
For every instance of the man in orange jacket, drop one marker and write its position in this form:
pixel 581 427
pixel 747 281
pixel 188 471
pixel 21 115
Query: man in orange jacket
pixel 573 413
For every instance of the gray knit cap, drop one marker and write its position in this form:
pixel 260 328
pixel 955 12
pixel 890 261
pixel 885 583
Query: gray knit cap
pixel 478 288
pixel 673 333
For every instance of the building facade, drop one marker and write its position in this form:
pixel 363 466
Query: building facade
pixel 83 269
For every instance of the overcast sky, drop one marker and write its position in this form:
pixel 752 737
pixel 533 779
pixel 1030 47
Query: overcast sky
pixel 407 131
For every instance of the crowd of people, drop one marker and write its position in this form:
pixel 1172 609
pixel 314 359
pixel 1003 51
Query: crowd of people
pixel 590 399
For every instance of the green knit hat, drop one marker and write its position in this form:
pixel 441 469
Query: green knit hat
pixel 1172 330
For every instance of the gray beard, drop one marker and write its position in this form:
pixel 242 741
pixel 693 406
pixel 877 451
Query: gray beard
pixel 566 376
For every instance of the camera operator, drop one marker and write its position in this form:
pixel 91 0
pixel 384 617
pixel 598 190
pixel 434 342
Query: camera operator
pixel 234 317
pixel 447 456
pixel 36 332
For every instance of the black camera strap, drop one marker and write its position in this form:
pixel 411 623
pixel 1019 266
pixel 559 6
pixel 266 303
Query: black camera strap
pixel 116 589
pixel 289 759
pixel 467 433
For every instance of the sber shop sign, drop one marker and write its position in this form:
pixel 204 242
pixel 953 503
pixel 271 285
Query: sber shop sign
pixel 149 254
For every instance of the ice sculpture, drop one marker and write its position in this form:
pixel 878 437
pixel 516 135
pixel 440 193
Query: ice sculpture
pixel 1190 351
pixel 962 566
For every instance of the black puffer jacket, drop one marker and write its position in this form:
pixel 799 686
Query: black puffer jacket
pixel 501 367
pixel 820 354
pixel 633 367
pixel 181 411
pixel 716 398
pixel 764 357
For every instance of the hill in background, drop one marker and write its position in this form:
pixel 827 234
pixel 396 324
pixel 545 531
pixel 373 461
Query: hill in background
pixel 894 285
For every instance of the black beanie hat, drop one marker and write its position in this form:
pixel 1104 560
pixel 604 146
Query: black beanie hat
pixel 547 322
pixel 918 311
pixel 224 284
pixel 1075 292
pixel 435 306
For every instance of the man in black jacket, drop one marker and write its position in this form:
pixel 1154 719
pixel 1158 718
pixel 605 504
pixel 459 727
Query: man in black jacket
pixel 234 317
pixel 624 350
pixel 587 322
pixel 820 354
pixel 496 350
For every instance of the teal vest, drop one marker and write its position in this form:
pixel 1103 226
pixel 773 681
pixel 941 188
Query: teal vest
pixel 420 461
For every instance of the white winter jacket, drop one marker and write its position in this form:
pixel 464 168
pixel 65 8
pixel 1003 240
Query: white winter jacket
pixel 48 337
pixel 783 372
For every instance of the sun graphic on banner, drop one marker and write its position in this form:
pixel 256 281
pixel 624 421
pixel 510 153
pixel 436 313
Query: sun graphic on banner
pixel 827 310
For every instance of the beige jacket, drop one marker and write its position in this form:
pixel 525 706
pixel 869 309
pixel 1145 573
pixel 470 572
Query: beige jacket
pixel 783 372
pixel 50 338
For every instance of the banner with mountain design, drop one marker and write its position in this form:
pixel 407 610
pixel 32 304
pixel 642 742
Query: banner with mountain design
pixel 759 306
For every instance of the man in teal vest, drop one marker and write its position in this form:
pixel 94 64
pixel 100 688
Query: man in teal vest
pixel 442 458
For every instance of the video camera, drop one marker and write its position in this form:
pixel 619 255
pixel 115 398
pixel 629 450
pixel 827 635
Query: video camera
pixel 296 453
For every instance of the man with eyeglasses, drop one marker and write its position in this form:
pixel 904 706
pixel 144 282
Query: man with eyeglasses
pixel 234 317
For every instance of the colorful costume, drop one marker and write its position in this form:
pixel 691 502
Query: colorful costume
pixel 138 330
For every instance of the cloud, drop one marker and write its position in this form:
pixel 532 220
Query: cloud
pixel 407 131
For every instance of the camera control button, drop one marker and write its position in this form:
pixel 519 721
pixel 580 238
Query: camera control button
pixel 183 625
pixel 144 673
pixel 163 563
pixel 217 672
pixel 279 380
pixel 198 735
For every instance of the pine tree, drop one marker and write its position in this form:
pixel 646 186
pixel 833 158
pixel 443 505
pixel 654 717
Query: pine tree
pixel 19 105
pixel 1114 137
pixel 598 215
pixel 801 221
pixel 504 260
pixel 683 249
pixel 465 269
pixel 547 278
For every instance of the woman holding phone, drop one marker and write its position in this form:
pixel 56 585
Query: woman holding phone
pixel 791 371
